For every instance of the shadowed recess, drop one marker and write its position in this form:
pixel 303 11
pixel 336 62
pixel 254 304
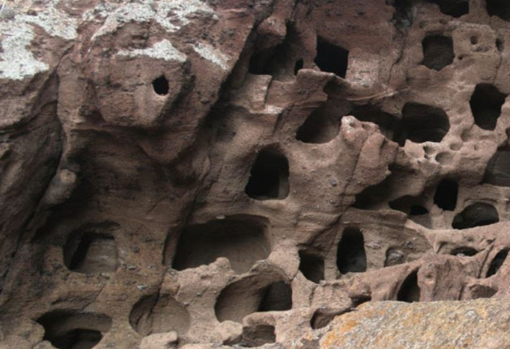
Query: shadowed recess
pixel 311 266
pixel 486 103
pixel 74 330
pixel 387 123
pixel 497 262
pixel 498 169
pixel 454 8
pixel 476 215
pixel 499 8
pixel 423 123
pixel 161 86
pixel 159 314
pixel 409 291
pixel 331 58
pixel 446 195
pixel 251 295
pixel 269 176
pixel 243 240
pixel 320 127
pixel 91 252
pixel 351 256
pixel 437 52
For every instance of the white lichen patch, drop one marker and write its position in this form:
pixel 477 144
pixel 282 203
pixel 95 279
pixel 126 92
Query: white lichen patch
pixel 212 54
pixel 16 60
pixel 170 14
pixel 160 50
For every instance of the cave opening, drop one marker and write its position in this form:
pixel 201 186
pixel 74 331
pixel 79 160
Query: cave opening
pixel 417 210
pixel 498 169
pixel 331 58
pixel 497 262
pixel 258 335
pixel 159 314
pixel 298 66
pixel 454 8
pixel 320 127
pixel 446 195
pixel 464 252
pixel 437 52
pixel 423 123
pixel 351 255
pixel 277 297
pixel 69 330
pixel 387 123
pixel 91 252
pixel 311 266
pixel 476 215
pixel 242 240
pixel 486 103
pixel 161 86
pixel 499 8
pixel 410 290
pixel 269 176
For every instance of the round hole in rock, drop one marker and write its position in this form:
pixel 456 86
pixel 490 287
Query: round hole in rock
pixel 497 262
pixel 243 240
pixel 498 169
pixel 499 8
pixel 446 195
pixel 394 256
pixel 311 266
pixel 410 290
pixel 269 176
pixel 454 8
pixel 258 335
pixel 250 295
pixel 486 103
pixel 331 58
pixel 298 66
pixel 161 86
pixel 464 252
pixel 423 123
pixel 159 314
pixel 351 256
pixel 387 123
pixel 320 127
pixel 476 215
pixel 437 52
pixel 74 330
pixel 91 252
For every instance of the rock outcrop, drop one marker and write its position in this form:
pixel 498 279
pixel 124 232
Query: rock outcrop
pixel 207 173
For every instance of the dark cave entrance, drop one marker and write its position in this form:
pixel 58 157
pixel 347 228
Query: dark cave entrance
pixel 499 8
pixel 497 262
pixel 486 103
pixel 446 195
pixel 269 177
pixel 311 266
pixel 161 86
pixel 498 169
pixel 409 291
pixel 91 252
pixel 476 215
pixel 437 51
pixel 321 126
pixel 331 58
pixel 351 255
pixel 423 123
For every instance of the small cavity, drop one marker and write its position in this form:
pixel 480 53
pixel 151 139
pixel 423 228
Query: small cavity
pixel 161 86
pixel 486 103
pixel 269 176
pixel 497 262
pixel 437 52
pixel 320 127
pixel 476 215
pixel 464 252
pixel 331 58
pixel 311 266
pixel 410 290
pixel 394 256
pixel 499 8
pixel 423 123
pixel 446 195
pixel 454 8
pixel 351 255
pixel 258 335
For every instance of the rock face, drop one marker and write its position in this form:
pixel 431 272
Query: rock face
pixel 207 173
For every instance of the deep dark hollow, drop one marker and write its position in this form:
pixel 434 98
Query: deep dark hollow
pixel 497 262
pixel 269 177
pixel 351 255
pixel 331 58
pixel 161 86
pixel 499 8
pixel 454 8
pixel 476 215
pixel 486 103
pixel 437 51
pixel 446 195
pixel 410 290
pixel 422 123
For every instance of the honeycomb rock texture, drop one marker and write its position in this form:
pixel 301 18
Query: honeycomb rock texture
pixel 245 173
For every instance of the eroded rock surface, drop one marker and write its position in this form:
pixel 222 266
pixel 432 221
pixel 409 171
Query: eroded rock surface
pixel 207 173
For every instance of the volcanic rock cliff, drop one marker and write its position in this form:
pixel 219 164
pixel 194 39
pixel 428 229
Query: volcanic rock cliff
pixel 287 173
